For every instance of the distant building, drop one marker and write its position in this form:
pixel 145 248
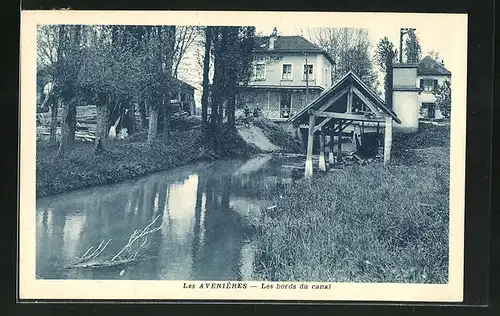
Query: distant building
pixel 183 97
pixel 285 70
pixel 430 76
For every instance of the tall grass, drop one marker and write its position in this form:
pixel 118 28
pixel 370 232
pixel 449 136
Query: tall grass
pixel 362 224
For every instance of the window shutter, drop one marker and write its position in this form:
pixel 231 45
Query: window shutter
pixel 435 85
pixel 421 83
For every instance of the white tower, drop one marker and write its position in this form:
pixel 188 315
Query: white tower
pixel 405 101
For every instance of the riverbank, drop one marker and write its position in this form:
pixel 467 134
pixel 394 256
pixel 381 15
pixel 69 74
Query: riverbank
pixel 364 223
pixel 81 167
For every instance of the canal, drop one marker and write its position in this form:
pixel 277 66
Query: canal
pixel 206 213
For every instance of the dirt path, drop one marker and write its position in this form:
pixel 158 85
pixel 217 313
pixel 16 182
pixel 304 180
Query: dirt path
pixel 254 135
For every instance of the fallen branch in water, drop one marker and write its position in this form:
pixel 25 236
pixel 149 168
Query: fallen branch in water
pixel 131 252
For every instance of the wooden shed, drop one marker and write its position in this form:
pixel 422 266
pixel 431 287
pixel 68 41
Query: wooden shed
pixel 350 101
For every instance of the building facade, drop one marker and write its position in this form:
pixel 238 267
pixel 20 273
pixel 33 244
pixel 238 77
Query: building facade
pixel 430 76
pixel 288 73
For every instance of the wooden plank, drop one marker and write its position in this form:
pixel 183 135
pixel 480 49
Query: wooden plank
pixel 366 101
pixel 339 142
pixel 344 126
pixel 299 136
pixel 387 140
pixel 310 141
pixel 322 162
pixel 349 100
pixel 320 125
pixel 346 116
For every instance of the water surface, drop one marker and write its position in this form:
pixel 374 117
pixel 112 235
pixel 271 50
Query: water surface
pixel 208 212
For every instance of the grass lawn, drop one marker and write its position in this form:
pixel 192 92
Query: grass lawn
pixel 365 223
pixel 81 167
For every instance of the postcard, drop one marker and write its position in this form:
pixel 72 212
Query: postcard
pixel 242 156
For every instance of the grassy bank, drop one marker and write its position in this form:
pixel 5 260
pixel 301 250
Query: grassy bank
pixel 365 223
pixel 278 136
pixel 80 167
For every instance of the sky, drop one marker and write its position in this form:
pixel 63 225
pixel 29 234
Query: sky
pixel 442 33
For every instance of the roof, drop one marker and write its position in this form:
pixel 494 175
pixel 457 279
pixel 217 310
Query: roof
pixel 288 44
pixel 429 66
pixel 349 79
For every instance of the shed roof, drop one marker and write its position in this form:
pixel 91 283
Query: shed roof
pixel 429 66
pixel 349 79
pixel 288 44
pixel 184 84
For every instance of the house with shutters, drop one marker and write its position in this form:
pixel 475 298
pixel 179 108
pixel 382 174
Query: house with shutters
pixel 288 73
pixel 430 76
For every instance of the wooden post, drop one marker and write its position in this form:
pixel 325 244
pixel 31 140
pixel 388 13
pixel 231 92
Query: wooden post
pixel 310 141
pixel 349 100
pixel 331 160
pixel 387 139
pixel 269 103
pixel 339 142
pixel 322 162
pixel 299 136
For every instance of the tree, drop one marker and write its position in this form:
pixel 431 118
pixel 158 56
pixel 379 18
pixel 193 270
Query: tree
pixel 435 55
pixel 184 38
pixel 47 51
pixel 349 48
pixel 66 76
pixel 206 80
pixel 386 55
pixel 112 71
pixel 413 51
pixel 160 43
pixel 443 98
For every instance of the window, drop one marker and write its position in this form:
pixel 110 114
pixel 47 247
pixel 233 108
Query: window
pixel 260 71
pixel 429 85
pixel 429 110
pixel 286 73
pixel 309 71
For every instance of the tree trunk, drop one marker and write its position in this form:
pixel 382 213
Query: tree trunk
pixel 65 129
pixel 169 60
pixel 131 116
pixel 206 80
pixel 167 109
pixel 214 115
pixel 101 132
pixel 231 116
pixel 53 121
pixel 142 114
pixel 153 124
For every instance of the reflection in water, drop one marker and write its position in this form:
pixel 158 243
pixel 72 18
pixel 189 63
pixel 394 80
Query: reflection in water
pixel 207 211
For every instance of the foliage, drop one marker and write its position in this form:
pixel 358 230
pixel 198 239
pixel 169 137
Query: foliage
pixel 443 98
pixel 385 56
pixel 231 48
pixel 116 69
pixel 185 36
pixel 413 51
pixel 350 49
pixel 435 55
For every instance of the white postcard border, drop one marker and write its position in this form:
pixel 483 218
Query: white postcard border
pixel 31 288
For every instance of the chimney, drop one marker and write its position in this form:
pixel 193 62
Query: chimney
pixel 272 38
pixel 405 96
